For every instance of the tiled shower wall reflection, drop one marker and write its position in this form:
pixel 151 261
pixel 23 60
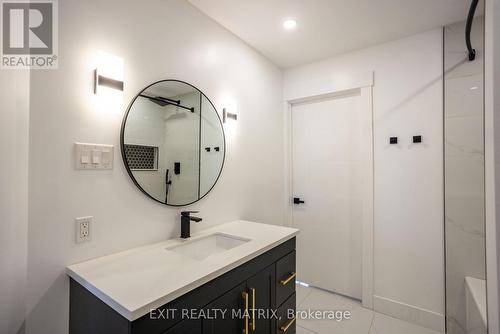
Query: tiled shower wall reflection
pixel 464 168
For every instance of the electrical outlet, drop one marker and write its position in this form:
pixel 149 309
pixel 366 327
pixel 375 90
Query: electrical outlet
pixel 83 229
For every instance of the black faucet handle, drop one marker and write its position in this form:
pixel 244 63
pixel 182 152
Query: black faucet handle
pixel 188 213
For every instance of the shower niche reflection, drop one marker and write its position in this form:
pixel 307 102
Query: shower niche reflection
pixel 172 143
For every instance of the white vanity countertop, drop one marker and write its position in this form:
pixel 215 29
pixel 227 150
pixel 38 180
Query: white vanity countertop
pixel 137 280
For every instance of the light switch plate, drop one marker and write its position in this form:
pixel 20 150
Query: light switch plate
pixel 83 229
pixel 94 156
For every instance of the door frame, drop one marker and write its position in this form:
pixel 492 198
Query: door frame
pixel 311 90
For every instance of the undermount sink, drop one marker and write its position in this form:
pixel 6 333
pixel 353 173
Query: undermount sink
pixel 204 247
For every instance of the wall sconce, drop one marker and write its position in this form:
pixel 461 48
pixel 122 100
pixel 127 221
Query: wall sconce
pixel 100 80
pixel 108 82
pixel 109 73
pixel 226 115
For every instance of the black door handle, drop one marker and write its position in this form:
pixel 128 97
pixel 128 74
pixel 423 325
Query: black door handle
pixel 297 200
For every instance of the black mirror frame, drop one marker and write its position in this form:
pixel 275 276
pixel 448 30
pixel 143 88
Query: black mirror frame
pixel 122 143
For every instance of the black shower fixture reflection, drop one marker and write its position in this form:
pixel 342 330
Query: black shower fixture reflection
pixel 468 28
pixel 164 101
pixel 168 182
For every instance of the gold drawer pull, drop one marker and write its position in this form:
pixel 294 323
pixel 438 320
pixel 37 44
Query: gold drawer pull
pixel 291 277
pixel 284 328
pixel 244 295
pixel 254 326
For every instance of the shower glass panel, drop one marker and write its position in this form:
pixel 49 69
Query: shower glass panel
pixel 464 180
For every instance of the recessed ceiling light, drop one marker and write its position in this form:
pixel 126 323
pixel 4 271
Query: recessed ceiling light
pixel 289 24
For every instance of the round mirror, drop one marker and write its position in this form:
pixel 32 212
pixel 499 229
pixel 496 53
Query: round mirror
pixel 172 142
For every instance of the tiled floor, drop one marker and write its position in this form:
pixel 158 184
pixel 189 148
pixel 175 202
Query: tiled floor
pixel 363 321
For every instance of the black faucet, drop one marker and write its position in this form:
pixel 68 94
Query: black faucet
pixel 186 219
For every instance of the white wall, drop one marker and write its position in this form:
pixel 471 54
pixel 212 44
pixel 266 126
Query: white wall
pixel 407 101
pixel 492 159
pixel 14 127
pixel 173 40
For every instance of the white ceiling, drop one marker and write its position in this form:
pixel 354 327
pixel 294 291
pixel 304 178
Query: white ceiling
pixel 328 27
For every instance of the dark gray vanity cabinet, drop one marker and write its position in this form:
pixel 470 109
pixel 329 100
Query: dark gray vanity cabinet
pixel 262 288
pixel 251 295
pixel 286 278
pixel 186 327
pixel 231 301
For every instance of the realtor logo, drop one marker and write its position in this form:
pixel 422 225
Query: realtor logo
pixel 29 34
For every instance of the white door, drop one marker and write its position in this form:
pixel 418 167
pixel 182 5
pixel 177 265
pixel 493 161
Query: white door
pixel 331 153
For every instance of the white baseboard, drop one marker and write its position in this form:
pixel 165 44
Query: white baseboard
pixel 410 313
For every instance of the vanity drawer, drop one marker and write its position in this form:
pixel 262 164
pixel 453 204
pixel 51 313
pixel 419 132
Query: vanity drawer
pixel 286 317
pixel 285 277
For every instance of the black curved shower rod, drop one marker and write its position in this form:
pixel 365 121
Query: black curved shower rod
pixel 468 28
